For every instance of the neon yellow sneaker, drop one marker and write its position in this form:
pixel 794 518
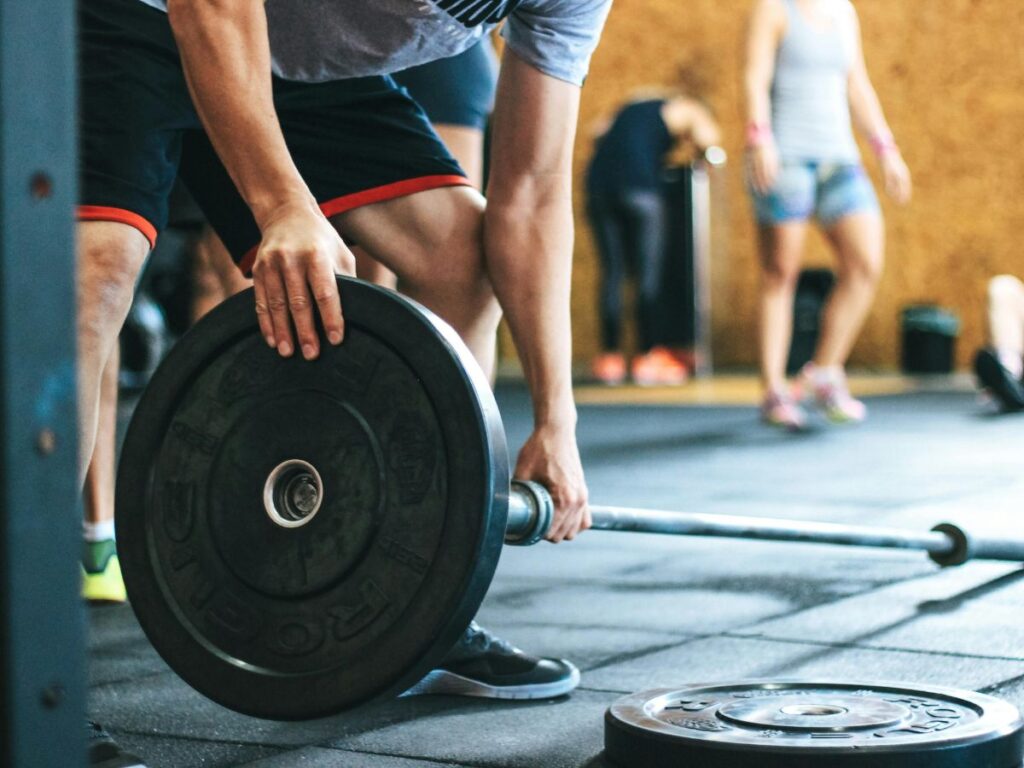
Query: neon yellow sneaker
pixel 101 573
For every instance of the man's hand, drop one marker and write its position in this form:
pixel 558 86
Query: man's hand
pixel 764 166
pixel 897 177
pixel 294 268
pixel 550 457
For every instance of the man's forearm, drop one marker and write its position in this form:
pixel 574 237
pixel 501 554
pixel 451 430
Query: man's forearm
pixel 528 242
pixel 225 52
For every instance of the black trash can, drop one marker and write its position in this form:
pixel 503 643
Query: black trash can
pixel 929 339
pixel 812 290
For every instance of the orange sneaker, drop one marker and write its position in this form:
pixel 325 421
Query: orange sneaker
pixel 659 367
pixel 609 368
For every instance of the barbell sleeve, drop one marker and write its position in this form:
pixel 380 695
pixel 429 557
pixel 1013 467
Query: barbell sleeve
pixel 531 511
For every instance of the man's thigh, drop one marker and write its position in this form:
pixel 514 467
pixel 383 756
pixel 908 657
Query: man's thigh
pixel 430 237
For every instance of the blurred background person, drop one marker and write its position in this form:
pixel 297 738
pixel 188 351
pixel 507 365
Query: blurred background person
pixel 1000 366
pixel 628 217
pixel 805 78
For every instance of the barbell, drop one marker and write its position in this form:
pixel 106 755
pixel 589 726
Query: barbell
pixel 299 538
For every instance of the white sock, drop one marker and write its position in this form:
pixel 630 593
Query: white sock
pixel 1012 361
pixel 825 375
pixel 100 531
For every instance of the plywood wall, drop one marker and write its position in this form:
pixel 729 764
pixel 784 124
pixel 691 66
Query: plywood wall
pixel 950 74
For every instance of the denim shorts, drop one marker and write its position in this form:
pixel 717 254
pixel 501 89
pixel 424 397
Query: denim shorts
pixel 827 191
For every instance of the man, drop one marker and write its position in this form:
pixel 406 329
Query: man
pixel 286 167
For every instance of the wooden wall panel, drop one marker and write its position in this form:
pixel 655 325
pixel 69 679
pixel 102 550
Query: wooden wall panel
pixel 951 77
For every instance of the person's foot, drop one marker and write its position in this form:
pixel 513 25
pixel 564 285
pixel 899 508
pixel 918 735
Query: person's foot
pixel 104 751
pixel 780 410
pixel 832 394
pixel 658 367
pixel 609 368
pixel 997 379
pixel 483 665
pixel 101 573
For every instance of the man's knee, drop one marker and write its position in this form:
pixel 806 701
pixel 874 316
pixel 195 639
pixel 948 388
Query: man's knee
pixel 109 259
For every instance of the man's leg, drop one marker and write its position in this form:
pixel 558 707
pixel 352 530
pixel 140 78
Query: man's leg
pixel 433 242
pixel 110 257
pixel 103 582
pixel 467 146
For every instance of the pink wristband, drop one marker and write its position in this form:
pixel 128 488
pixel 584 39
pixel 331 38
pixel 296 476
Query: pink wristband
pixel 758 134
pixel 882 143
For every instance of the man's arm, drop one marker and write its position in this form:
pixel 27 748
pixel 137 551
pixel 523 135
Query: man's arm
pixel 528 239
pixel 225 52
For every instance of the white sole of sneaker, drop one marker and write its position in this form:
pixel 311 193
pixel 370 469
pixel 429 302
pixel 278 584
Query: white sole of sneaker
pixel 441 681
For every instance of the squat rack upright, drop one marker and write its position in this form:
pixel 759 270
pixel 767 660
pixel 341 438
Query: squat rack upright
pixel 42 621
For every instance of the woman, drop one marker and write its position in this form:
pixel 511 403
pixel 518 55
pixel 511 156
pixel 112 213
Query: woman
pixel 628 218
pixel 805 79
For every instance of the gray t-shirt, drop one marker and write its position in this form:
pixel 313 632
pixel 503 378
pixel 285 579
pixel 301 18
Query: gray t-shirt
pixel 318 40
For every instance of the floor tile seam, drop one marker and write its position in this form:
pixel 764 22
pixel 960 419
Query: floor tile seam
pixel 989 689
pixel 418 759
pixel 595 627
pixel 633 655
pixel 736 635
pixel 561 625
pixel 851 596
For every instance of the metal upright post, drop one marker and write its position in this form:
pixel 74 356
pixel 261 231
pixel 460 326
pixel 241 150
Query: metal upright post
pixel 42 680
pixel 701 197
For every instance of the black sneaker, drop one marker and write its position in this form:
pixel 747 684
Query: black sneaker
pixel 104 752
pixel 483 665
pixel 999 381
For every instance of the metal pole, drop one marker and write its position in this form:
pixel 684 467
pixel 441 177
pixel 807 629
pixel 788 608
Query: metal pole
pixel 765 529
pixel 701 198
pixel 531 510
pixel 42 679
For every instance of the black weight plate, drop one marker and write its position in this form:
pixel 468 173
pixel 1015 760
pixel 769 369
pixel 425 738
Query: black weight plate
pixel 370 593
pixel 800 724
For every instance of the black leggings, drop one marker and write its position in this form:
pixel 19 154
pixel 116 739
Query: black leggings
pixel 630 230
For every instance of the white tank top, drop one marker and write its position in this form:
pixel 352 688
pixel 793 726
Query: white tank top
pixel 810 96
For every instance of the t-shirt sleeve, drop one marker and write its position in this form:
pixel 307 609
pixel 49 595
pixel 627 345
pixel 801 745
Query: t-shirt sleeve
pixel 558 37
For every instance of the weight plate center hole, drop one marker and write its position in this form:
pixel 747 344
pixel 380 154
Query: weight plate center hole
pixel 813 710
pixel 293 493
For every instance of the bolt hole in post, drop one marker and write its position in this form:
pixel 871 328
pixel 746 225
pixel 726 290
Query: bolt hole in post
pixel 40 186
pixel 293 493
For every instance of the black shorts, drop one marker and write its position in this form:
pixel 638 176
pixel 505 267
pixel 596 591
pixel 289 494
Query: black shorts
pixel 458 90
pixel 354 142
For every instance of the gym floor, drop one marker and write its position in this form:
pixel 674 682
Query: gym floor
pixel 643 611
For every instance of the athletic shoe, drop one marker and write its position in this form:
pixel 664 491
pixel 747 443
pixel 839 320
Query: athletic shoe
pixel 104 752
pixel 780 410
pixel 101 573
pixel 658 367
pixel 837 404
pixel 609 368
pixel 994 377
pixel 483 665
pixel 831 394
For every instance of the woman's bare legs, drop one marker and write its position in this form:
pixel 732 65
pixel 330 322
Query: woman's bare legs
pixel 859 243
pixel 781 252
